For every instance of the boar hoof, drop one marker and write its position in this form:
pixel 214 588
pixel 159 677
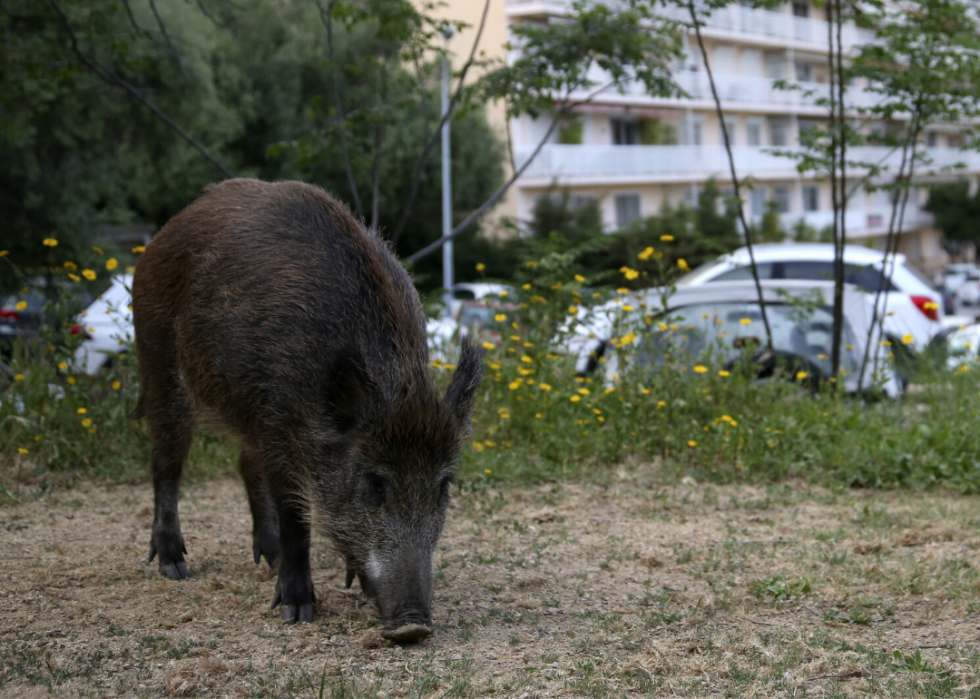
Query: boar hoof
pixel 303 613
pixel 408 632
pixel 174 571
pixel 172 565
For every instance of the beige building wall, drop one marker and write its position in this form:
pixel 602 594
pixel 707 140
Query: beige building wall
pixel 491 48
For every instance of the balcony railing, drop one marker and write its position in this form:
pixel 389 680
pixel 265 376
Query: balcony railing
pixel 597 165
pixel 742 20
pixel 738 88
pixel 860 222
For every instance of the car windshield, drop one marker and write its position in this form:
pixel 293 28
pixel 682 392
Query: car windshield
pixel 728 329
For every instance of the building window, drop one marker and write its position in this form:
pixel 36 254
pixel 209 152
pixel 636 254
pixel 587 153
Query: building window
pixel 627 209
pixel 804 72
pixel 932 139
pixel 757 202
pixel 778 132
pixel 753 133
pixel 625 132
pixel 730 128
pixel 801 9
pixel 780 198
pixel 811 198
pixel 577 202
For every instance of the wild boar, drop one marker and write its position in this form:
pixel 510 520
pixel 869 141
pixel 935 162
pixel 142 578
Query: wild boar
pixel 270 310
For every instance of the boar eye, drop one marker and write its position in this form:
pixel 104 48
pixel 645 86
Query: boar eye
pixel 374 490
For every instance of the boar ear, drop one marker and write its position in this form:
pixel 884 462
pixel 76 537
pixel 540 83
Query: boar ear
pixel 462 389
pixel 350 392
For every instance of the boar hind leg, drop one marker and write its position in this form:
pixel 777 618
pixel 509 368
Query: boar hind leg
pixel 294 588
pixel 172 427
pixel 265 520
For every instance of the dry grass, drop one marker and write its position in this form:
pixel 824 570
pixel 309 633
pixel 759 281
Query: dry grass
pixel 630 589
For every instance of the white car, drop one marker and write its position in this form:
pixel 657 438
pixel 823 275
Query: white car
pixel 963 347
pixel 106 326
pixel 968 291
pixel 911 305
pixel 712 318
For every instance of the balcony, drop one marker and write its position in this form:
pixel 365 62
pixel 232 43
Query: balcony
pixel 736 89
pixel 763 26
pixel 595 165
pixel 861 223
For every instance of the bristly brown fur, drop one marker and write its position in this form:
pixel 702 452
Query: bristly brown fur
pixel 270 308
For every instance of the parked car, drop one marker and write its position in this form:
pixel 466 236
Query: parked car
pixel 912 306
pixel 106 326
pixel 968 291
pixel 955 274
pixel 713 317
pixel 23 313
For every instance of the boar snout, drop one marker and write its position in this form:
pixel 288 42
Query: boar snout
pixel 403 593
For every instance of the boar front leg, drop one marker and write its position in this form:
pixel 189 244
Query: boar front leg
pixel 265 520
pixel 294 588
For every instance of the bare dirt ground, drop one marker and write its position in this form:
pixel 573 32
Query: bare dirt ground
pixel 631 589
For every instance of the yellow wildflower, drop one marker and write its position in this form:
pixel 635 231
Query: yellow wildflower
pixel 544 386
pixel 487 471
pixel 622 291
pixel 580 279
pixel 629 273
pixel 515 384
pixel 701 369
pixel 71 380
pixel 821 356
pixel 930 306
pixel 71 266
pixel 116 385
pixel 21 305
pixel 87 422
pixel 139 250
pixel 584 391
pixel 526 287
pixel 800 375
pixel 63 365
pixel 666 238
pixel 480 266
pixel 503 293
pixel 19 377
pixel 500 317
pixel 111 263
pixel 661 404
pixel 691 443
pixel 22 450
pixel 477 446
pixel 4 253
pixel 575 399
pixel 74 277
pixel 488 345
pixel 573 310
pixel 527 360
pixel 627 307
pixel 531 263
pixel 682 264
pixel 50 242
pixel 723 374
pixel 645 255
pixel 745 321
pixel 81 411
pixel 907 339
pixel 97 251
pixel 88 274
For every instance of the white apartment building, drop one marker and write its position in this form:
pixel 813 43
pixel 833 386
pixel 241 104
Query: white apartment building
pixel 634 153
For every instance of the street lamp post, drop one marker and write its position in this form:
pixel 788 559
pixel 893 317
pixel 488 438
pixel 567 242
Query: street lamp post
pixel 447 192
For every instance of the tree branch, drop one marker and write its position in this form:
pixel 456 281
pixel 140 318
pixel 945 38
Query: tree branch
pixel 327 19
pixel 731 165
pixel 396 234
pixel 113 79
pixel 132 20
pixel 171 49
pixel 566 106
